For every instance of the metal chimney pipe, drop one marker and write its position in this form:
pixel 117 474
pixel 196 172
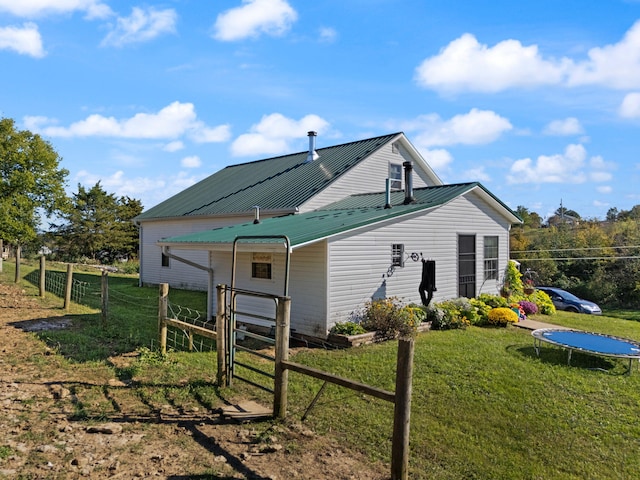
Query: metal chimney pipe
pixel 312 155
pixel 256 216
pixel 408 183
pixel 388 193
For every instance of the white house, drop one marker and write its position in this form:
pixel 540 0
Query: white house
pixel 322 227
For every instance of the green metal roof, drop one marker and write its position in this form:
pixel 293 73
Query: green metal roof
pixel 278 183
pixel 351 213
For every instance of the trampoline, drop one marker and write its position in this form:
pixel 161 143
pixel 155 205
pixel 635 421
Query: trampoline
pixel 587 342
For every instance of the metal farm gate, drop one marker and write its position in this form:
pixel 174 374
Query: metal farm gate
pixel 231 312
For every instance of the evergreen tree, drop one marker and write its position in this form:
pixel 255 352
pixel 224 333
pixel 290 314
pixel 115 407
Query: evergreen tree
pixel 98 226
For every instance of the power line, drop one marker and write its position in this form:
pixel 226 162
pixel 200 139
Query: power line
pixel 635 257
pixel 572 249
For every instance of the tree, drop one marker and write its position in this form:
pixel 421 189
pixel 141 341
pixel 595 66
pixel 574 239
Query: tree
pixel 529 219
pixel 98 226
pixel 31 184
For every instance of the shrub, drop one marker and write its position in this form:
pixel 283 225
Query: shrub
pixel 347 328
pixel 544 303
pixel 528 307
pixel 388 318
pixel 451 314
pixel 501 316
pixel 130 267
pixel 512 278
pixel 482 310
pixel 494 301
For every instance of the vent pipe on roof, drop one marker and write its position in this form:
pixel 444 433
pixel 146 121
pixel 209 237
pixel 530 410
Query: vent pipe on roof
pixel 256 218
pixel 408 183
pixel 388 193
pixel 312 155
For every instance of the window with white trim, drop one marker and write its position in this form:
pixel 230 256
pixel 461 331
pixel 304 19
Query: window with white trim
pixel 491 258
pixel 395 175
pixel 397 254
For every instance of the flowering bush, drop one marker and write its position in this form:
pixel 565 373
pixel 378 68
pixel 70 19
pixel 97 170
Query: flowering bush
pixel 449 314
pixel 390 319
pixel 501 316
pixel 528 307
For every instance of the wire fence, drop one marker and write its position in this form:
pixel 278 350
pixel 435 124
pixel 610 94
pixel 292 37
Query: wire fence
pixel 55 283
pixel 179 339
pixel 114 300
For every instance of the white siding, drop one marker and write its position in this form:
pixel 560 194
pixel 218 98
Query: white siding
pixel 366 177
pixel 308 290
pixel 307 287
pixel 359 264
pixel 177 274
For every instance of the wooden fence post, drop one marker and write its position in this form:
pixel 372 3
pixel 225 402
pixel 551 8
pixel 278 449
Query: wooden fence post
pixel 402 411
pixel 68 287
pixel 163 305
pixel 282 354
pixel 104 295
pixel 16 279
pixel 221 334
pixel 43 273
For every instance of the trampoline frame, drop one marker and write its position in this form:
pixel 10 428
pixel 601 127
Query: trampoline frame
pixel 538 338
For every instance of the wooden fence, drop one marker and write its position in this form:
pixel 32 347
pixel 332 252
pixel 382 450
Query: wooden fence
pixel 401 398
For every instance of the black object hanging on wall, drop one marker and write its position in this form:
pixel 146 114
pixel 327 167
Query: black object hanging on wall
pixel 428 283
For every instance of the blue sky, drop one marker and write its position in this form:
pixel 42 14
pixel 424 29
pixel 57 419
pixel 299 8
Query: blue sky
pixel 538 100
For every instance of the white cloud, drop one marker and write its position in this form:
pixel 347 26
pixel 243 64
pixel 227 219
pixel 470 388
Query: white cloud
pixel 465 64
pixel 565 127
pixel 604 189
pixel 630 107
pixel 438 159
pixel 600 176
pixel 25 40
pixel 121 184
pixel 477 127
pixel 171 122
pixel 35 8
pixel 559 168
pixel 477 175
pixel 273 134
pixel 173 146
pixel 147 189
pixel 191 162
pixel 598 163
pixel 141 26
pixel 614 66
pixel 204 134
pixel 328 35
pixel 254 17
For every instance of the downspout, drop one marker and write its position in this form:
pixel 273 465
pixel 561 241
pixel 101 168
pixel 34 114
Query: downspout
pixel 209 270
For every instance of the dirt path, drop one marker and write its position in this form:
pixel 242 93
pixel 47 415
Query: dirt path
pixel 41 438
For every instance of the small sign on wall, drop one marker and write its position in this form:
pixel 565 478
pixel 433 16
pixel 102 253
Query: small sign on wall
pixel 261 257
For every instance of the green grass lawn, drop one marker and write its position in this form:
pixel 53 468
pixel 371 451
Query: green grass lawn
pixel 484 405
